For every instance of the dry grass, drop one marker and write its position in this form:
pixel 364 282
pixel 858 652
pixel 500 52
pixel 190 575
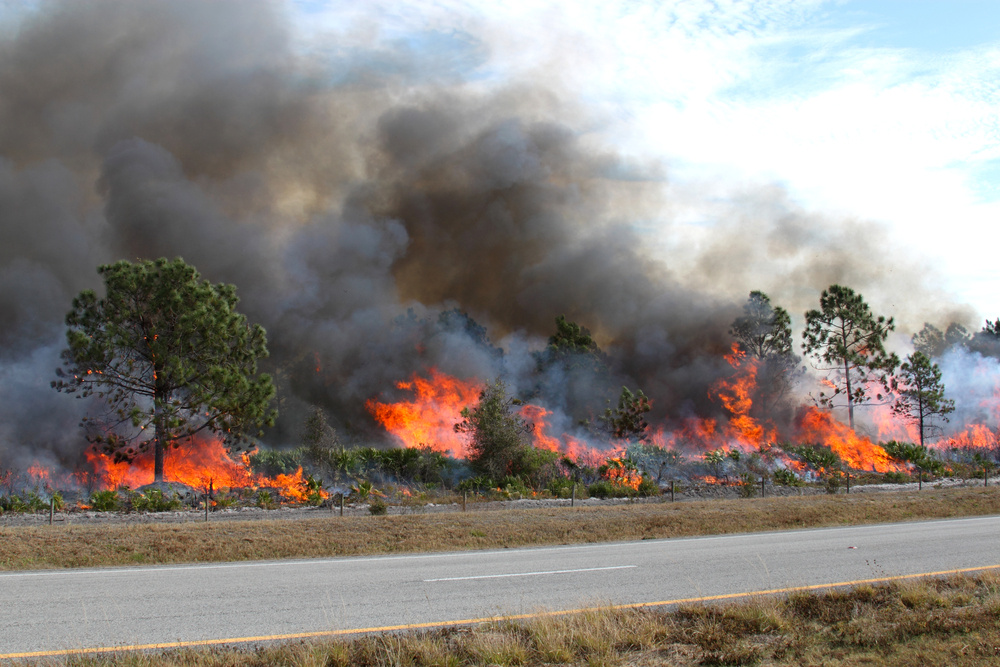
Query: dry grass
pixel 151 543
pixel 948 621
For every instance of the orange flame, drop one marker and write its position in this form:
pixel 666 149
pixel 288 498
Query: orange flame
pixel 618 472
pixel 39 475
pixel 197 463
pixel 817 426
pixel 573 448
pixel 736 396
pixel 429 418
pixel 976 436
pixel 201 463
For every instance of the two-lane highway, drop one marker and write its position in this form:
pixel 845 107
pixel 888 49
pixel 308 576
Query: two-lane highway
pixel 72 610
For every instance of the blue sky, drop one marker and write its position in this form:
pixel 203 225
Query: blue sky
pixel 884 111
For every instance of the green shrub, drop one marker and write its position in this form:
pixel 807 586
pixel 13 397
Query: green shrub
pixel 786 477
pixel 314 491
pixel 560 487
pixel 893 477
pixel 476 484
pixel 747 485
pixel 225 499
pixel 36 503
pixel 818 457
pixel 13 503
pixel 832 483
pixel 265 500
pixel 647 488
pixel 273 463
pixel 363 490
pixel 152 500
pixel 514 487
pixel 603 488
pixel 104 501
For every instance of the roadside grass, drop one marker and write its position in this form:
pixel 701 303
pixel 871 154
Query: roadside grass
pixel 936 621
pixel 61 546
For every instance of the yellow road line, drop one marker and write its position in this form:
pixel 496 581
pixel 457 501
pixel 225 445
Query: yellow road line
pixel 475 621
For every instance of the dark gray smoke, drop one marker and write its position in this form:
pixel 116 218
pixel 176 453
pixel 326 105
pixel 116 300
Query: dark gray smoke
pixel 353 201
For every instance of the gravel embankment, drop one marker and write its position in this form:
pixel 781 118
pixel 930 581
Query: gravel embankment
pixel 686 493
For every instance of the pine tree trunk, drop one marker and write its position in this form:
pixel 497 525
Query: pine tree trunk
pixel 850 398
pixel 160 398
pixel 158 460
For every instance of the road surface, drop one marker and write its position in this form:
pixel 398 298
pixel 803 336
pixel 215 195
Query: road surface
pixel 56 611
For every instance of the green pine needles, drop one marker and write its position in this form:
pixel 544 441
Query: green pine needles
pixel 169 357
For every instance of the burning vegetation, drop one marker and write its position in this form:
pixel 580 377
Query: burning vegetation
pixel 406 237
pixel 458 434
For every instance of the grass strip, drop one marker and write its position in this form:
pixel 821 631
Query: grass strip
pixel 948 620
pixel 65 546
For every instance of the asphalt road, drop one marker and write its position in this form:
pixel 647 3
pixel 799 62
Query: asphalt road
pixel 73 610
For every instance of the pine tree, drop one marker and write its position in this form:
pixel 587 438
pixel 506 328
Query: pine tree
pixel 847 340
pixel 764 334
pixel 169 356
pixel 920 394
pixel 497 433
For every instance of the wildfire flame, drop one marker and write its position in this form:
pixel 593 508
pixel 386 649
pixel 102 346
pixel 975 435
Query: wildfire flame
pixel 736 396
pixel 204 462
pixel 819 427
pixel 976 436
pixel 618 471
pixel 429 418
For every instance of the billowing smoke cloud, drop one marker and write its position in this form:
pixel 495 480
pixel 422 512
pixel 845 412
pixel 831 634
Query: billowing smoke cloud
pixel 356 200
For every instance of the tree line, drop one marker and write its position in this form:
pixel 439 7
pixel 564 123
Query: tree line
pixel 166 353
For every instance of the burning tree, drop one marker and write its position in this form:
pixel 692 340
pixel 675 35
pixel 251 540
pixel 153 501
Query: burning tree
pixel 169 355
pixel 920 394
pixel 764 335
pixel 847 340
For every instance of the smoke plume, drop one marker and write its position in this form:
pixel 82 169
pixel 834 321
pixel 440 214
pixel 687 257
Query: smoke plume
pixel 355 198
